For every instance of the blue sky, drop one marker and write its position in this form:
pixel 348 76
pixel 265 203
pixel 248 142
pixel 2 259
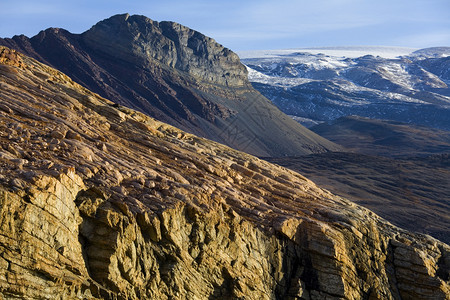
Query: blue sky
pixel 248 25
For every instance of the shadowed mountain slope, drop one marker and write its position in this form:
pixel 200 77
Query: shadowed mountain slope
pixel 400 171
pixel 98 201
pixel 411 193
pixel 385 138
pixel 176 75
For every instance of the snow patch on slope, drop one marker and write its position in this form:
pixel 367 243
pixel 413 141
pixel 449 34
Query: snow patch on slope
pixel 256 76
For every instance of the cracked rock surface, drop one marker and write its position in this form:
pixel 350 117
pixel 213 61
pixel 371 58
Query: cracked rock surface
pixel 99 201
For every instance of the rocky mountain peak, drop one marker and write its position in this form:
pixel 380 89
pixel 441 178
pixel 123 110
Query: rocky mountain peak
pixel 142 41
pixel 176 75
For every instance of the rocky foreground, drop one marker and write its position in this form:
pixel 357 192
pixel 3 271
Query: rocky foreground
pixel 100 201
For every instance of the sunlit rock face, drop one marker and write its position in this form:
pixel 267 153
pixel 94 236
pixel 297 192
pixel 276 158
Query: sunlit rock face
pixel 100 201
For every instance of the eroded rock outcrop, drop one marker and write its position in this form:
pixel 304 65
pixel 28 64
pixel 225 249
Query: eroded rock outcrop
pixel 99 201
pixel 169 43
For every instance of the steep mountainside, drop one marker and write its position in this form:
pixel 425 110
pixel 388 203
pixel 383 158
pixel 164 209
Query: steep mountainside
pixel 411 89
pixel 385 138
pixel 99 201
pixel 440 66
pixel 176 75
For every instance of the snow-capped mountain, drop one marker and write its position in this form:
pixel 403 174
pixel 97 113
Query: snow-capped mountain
pixel 323 84
pixel 434 52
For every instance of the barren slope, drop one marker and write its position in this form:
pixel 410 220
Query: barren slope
pixel 411 193
pixel 384 137
pixel 105 202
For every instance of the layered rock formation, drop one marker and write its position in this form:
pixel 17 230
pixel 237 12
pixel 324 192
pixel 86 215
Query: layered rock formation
pixel 141 41
pixel 99 201
pixel 176 75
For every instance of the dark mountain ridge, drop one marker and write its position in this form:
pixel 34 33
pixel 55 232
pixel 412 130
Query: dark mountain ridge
pixel 177 75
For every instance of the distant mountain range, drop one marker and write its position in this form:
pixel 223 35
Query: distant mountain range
pixel 391 114
pixel 342 51
pixel 176 75
pixel 316 87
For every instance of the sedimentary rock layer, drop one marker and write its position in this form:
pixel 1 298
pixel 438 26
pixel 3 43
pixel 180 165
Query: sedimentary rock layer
pixel 99 201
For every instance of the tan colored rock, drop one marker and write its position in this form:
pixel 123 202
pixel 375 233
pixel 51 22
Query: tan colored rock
pixel 173 216
pixel 73 135
pixel 58 134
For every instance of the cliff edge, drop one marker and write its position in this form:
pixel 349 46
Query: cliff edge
pixel 100 201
